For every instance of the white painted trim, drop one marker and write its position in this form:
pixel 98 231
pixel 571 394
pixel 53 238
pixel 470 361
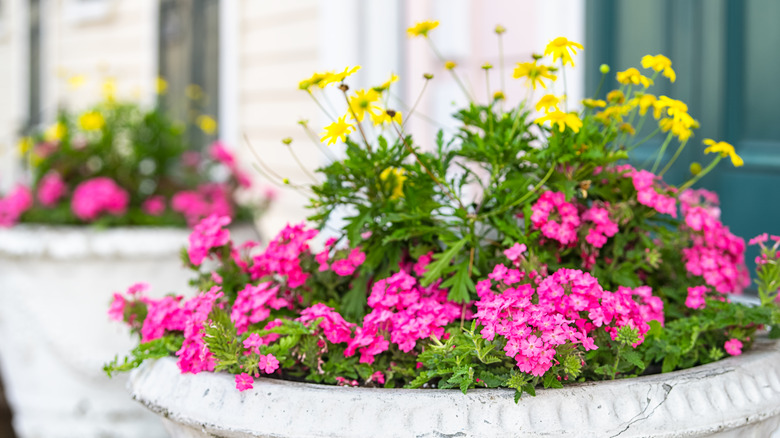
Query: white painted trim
pixel 229 60
pixel 80 12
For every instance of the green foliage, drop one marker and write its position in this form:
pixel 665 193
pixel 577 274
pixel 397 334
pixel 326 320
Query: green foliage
pixel 161 347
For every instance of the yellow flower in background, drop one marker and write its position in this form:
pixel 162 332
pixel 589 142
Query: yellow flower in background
pixel 594 103
pixel 562 48
pixel 535 73
pixel 632 76
pixel 449 65
pixel 675 108
pixel 616 96
pixel 660 63
pixel 548 102
pixel 644 102
pixel 316 79
pixel 499 95
pixel 109 90
pixel 561 119
pixel 398 178
pixel 679 128
pixel 725 149
pixel 386 116
pixel 76 81
pixel 422 28
pixel 207 124
pixel 24 145
pixel 55 132
pixel 393 79
pixel 613 113
pixel 627 128
pixel 91 121
pixel 361 102
pixel 161 85
pixel 337 131
pixel 339 77
pixel 193 92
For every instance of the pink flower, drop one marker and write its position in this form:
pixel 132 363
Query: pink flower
pixel 208 199
pixel 244 381
pixel 378 377
pixel 99 195
pixel 268 363
pixel 207 234
pixel 515 253
pixel 12 206
pixel 253 343
pixel 557 219
pixel 733 347
pixel 154 205
pixel 50 189
pixel 117 309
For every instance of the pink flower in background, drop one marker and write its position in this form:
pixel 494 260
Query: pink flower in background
pixel 12 206
pixel 51 189
pixel 220 152
pixel 190 158
pixel 206 200
pixel 154 205
pixel 206 235
pixel 244 381
pixel 99 195
pixel 733 347
pixel 695 299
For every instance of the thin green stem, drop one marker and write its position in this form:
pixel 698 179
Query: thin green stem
pixel 565 88
pixel 700 175
pixel 327 113
pixel 662 152
pixel 416 102
pixel 452 71
pixel 674 158
pixel 343 89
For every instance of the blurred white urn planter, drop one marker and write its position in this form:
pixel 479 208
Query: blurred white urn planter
pixel 736 397
pixel 55 335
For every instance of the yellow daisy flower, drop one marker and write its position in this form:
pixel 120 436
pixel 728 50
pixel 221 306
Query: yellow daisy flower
pixel 548 102
pixel 562 48
pixel 337 131
pixel 385 116
pixel 632 76
pixel 725 149
pixel 55 132
pixel 363 101
pixel 660 63
pixel 561 119
pixel 422 28
pixel 207 124
pixel 534 72
pixel 397 177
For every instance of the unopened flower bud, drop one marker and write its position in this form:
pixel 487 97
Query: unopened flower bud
pixel 287 140
pixel 604 69
pixel 428 76
pixel 487 66
pixel 695 168
pixel 537 56
pixel 343 87
pixel 500 29
pixel 286 181
pixel 449 65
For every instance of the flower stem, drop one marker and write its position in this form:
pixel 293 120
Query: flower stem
pixel 662 152
pixel 700 175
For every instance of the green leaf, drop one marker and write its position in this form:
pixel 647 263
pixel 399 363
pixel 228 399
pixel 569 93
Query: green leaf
pixel 460 284
pixel 441 265
pixel 634 358
pixel 551 381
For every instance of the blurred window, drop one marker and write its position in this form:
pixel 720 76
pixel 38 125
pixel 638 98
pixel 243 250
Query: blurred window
pixel 189 64
pixel 34 65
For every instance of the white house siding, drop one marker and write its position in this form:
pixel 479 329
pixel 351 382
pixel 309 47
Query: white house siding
pixel 278 46
pixel 12 91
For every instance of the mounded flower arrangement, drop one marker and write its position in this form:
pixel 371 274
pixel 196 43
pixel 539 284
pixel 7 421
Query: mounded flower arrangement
pixel 524 252
pixel 110 192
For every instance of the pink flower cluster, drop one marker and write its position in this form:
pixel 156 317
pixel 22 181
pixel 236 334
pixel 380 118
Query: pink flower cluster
pixel 97 196
pixel 535 315
pixel 206 235
pixel 282 258
pixel 254 303
pixel 695 298
pixel 644 183
pixel 343 267
pixel 194 355
pixel 400 307
pixel 208 199
pixel 154 205
pixel 50 189
pixel 700 198
pixel 766 253
pixel 603 227
pixel 14 204
pixel 716 255
pixel 557 218
pixel 219 152
pixel 408 311
pixel 333 326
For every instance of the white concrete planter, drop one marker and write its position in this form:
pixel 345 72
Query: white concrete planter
pixel 736 397
pixel 55 335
